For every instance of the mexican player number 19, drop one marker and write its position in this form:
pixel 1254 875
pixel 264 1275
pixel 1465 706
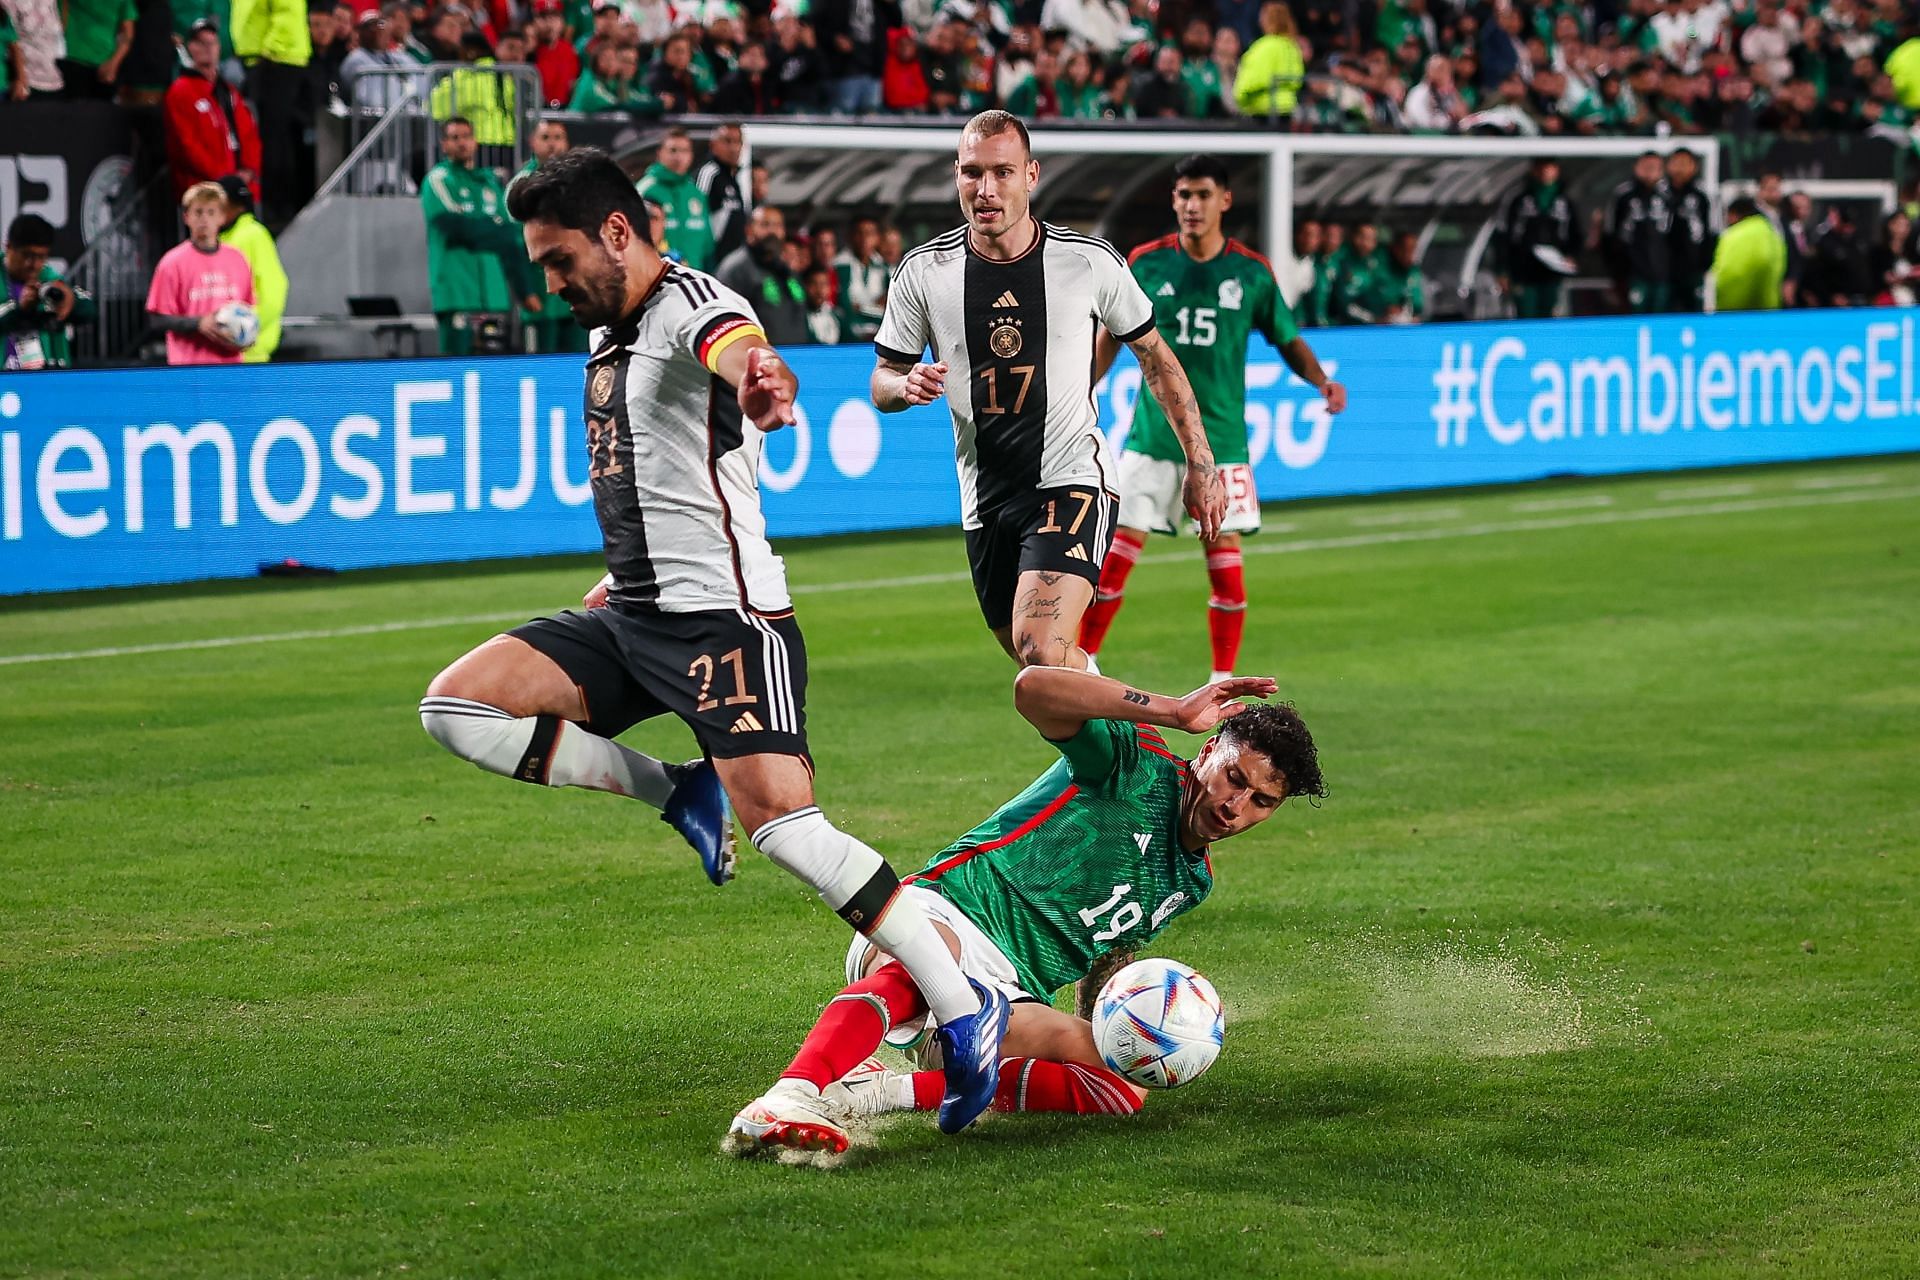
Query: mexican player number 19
pixel 1125 918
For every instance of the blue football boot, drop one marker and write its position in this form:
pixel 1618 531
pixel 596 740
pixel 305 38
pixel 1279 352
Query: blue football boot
pixel 700 811
pixel 970 1050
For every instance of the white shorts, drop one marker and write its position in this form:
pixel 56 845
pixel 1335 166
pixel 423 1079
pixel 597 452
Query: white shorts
pixel 1150 496
pixel 980 960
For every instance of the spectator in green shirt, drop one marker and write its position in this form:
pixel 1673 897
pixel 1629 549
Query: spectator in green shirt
pixel 1079 92
pixel 99 33
pixel 612 84
pixel 13 64
pixel 1038 96
pixel 1205 97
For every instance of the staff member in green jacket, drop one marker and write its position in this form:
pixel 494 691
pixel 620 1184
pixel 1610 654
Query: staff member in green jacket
pixel 255 243
pixel 1359 279
pixel 476 261
pixel 36 306
pixel 669 183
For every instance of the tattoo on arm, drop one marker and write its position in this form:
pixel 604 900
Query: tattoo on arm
pixel 1135 696
pixel 1087 990
pixel 1161 371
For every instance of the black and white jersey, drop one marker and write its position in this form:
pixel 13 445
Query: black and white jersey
pixel 675 466
pixel 1017 338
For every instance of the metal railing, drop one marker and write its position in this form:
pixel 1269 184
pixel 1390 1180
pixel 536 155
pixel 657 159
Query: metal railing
pixel 396 113
pixel 116 268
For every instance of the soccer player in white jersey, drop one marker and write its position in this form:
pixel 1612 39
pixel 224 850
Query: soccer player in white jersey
pixel 1010 307
pixel 680 386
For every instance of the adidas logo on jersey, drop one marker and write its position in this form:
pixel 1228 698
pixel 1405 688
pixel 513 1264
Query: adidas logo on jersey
pixel 1076 552
pixel 1166 290
pixel 747 723
pixel 1006 300
pixel 1142 839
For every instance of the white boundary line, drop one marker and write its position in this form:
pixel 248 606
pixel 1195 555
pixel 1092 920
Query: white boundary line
pixel 1564 504
pixel 1298 545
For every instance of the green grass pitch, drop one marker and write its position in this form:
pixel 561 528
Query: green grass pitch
pixel 1600 960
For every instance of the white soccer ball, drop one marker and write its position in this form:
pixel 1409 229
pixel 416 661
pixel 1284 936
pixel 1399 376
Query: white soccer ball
pixel 240 322
pixel 1159 1024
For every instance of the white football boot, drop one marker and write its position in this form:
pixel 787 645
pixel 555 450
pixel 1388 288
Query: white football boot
pixel 791 1122
pixel 867 1090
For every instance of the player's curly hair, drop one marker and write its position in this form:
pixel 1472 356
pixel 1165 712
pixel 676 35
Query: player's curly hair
pixel 1275 730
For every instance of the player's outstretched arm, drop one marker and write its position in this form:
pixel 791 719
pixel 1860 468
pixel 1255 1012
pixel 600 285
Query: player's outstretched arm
pixel 1203 492
pixel 1300 358
pixel 1059 700
pixel 902 384
pixel 767 384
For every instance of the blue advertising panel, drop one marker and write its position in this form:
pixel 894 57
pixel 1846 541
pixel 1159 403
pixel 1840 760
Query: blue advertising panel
pixel 165 475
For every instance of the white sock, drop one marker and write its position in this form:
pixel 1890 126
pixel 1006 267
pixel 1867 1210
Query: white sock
pixel 1218 676
pixel 906 934
pixel 863 890
pixel 899 1089
pixel 543 749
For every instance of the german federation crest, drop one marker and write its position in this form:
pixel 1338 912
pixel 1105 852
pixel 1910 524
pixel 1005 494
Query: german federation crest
pixel 600 390
pixel 1005 339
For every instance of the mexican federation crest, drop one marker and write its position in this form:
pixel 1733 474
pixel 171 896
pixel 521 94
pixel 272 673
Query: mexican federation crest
pixel 600 390
pixel 1232 292
pixel 1005 339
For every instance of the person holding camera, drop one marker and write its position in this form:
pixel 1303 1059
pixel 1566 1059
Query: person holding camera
pixel 38 308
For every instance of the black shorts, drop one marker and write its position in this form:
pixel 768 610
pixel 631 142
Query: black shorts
pixel 738 679
pixel 1064 530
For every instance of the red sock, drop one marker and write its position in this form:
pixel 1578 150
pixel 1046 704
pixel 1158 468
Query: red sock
pixel 851 1026
pixel 1121 558
pixel 1227 607
pixel 1036 1084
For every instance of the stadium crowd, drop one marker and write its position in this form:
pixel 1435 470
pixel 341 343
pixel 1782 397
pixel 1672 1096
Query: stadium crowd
pixel 239 86
pixel 1519 66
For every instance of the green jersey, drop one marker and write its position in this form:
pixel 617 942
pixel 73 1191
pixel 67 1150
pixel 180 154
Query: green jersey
pixel 1207 310
pixel 475 258
pixel 1085 861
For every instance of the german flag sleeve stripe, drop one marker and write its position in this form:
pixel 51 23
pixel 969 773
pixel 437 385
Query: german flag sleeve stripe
pixel 722 333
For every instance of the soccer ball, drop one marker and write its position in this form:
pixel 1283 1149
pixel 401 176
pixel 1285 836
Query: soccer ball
pixel 1158 1023
pixel 239 322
